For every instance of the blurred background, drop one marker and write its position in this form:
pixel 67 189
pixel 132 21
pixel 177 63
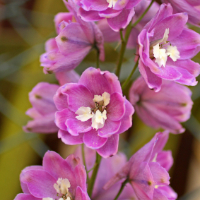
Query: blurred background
pixel 25 25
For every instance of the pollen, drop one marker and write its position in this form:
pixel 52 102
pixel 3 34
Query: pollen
pixel 62 188
pixel 98 114
pixel 111 3
pixel 162 49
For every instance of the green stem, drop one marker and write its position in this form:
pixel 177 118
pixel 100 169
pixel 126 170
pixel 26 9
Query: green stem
pixel 125 39
pixel 129 77
pixel 97 66
pixel 143 14
pixel 94 174
pixel 123 47
pixel 121 34
pixel 120 190
pixel 84 161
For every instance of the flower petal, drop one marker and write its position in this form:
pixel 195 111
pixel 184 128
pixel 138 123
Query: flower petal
pixel 62 116
pixel 78 96
pixel 109 128
pixel 40 183
pixel 26 197
pixel 75 126
pixel 70 139
pixel 92 140
pixel 110 148
pixel 95 81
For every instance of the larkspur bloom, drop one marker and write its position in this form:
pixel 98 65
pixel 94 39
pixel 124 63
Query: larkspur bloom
pixel 93 111
pixel 164 109
pixel 147 169
pixel 166 47
pixel 74 41
pixel 118 13
pixel 112 166
pixel 113 36
pixel 57 179
pixel 192 7
pixel 43 110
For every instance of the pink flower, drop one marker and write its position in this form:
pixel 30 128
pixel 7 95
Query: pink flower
pixel 74 41
pixel 57 179
pixel 93 111
pixel 146 171
pixel 113 36
pixel 191 7
pixel 118 13
pixel 108 168
pixel 166 47
pixel 164 109
pixel 43 110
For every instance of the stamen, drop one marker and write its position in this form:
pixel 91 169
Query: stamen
pixel 111 3
pixel 98 119
pixel 160 55
pixel 62 188
pixel 162 49
pixel 84 113
pixel 98 113
pixel 173 53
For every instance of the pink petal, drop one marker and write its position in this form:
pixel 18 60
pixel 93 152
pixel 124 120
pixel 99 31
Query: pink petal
pixel 67 77
pixel 95 81
pixel 81 195
pixel 78 96
pixel 75 126
pixel 53 163
pixel 61 99
pixel 26 197
pixel 165 159
pixel 72 39
pixel 40 183
pixel 62 116
pixel 110 128
pixel 69 139
pixel 92 140
pixel 43 124
pixel 143 182
pixel 153 81
pixel 41 97
pixel 116 107
pixel 122 20
pixel 172 22
pixel 160 175
pixel 110 148
pixel 126 121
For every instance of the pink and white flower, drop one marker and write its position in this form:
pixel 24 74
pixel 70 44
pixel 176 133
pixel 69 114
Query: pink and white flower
pixel 164 109
pixel 57 179
pixel 93 111
pixel 74 41
pixel 43 110
pixel 146 171
pixel 118 13
pixel 166 47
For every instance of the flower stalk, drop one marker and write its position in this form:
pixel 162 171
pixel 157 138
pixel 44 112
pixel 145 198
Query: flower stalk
pixel 94 174
pixel 121 188
pixel 129 77
pixel 84 161
pixel 124 40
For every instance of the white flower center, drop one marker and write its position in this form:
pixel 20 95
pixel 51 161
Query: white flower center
pixel 62 188
pixel 97 114
pixel 162 49
pixel 111 3
pixel 47 198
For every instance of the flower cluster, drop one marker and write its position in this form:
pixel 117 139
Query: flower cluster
pixel 93 108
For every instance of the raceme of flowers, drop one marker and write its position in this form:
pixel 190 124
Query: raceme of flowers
pixel 91 110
